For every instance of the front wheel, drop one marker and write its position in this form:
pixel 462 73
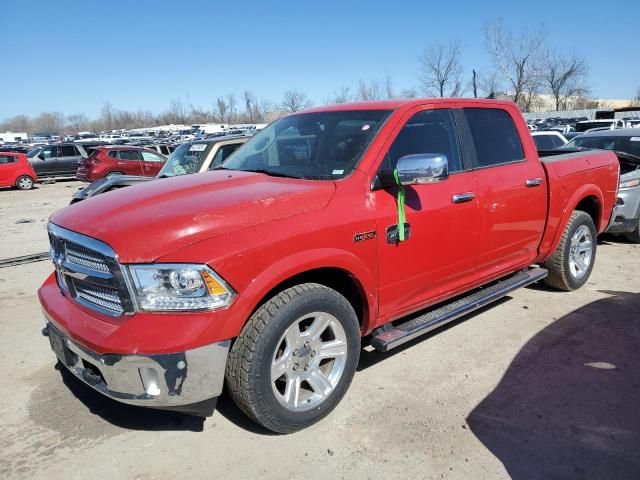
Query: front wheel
pixel 634 236
pixel 572 262
pixel 24 183
pixel 295 358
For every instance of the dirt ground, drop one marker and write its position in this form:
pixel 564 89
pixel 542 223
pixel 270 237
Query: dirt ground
pixel 542 385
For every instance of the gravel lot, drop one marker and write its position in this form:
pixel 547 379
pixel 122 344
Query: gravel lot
pixel 542 385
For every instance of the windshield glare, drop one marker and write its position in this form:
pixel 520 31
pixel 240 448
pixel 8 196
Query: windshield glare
pixel 618 143
pixel 324 145
pixel 185 159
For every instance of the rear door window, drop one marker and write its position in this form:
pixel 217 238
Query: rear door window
pixel 68 151
pixel 495 137
pixel 7 159
pixel 129 155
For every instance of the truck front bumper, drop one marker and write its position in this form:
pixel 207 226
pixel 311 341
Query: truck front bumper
pixel 187 381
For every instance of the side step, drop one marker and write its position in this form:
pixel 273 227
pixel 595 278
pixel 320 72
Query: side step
pixel 392 337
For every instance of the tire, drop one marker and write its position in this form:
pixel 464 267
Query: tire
pixel 114 174
pixel 24 182
pixel 269 340
pixel 570 266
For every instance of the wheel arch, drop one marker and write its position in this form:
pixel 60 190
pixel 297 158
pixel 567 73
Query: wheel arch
pixel 339 270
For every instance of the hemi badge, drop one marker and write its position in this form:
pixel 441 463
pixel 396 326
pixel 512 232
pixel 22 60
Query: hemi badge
pixel 361 237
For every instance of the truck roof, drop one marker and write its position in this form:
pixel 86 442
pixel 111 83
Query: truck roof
pixel 396 104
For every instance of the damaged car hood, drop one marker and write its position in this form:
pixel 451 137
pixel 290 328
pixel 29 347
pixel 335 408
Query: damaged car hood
pixel 144 222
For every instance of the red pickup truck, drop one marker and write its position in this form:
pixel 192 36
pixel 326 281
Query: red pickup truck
pixel 272 271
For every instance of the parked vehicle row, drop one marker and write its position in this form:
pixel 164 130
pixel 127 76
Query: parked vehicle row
pixel 375 221
pixel 191 157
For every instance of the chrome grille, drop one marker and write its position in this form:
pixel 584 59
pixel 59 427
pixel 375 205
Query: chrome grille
pixel 85 257
pixel 88 271
pixel 107 298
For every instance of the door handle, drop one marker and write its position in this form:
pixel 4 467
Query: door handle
pixel 533 182
pixel 463 197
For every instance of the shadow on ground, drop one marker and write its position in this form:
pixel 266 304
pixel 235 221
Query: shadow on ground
pixel 567 407
pixel 128 416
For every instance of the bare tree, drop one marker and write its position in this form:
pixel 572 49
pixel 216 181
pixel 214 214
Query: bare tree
pixel 293 101
pixel 388 87
pixel 77 122
pixel 409 93
pixel 516 56
pixel 231 107
pixel 18 123
pixel 106 116
pixel 177 111
pixel 565 77
pixel 49 122
pixel 636 100
pixel 489 84
pixel 221 109
pixel 340 96
pixel 369 91
pixel 441 70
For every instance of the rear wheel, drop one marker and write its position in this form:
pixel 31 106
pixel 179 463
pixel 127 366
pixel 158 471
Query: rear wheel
pixel 295 358
pixel 572 262
pixel 24 182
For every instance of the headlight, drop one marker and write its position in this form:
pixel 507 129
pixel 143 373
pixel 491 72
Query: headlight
pixel 179 287
pixel 630 183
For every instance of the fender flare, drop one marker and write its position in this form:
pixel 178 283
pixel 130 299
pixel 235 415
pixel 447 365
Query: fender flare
pixel 588 190
pixel 305 261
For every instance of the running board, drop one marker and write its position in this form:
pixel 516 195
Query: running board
pixel 396 335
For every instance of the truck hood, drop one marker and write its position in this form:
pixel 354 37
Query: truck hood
pixel 147 221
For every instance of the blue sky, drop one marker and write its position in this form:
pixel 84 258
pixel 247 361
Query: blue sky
pixel 72 56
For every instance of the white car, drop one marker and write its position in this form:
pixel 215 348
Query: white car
pixel 548 140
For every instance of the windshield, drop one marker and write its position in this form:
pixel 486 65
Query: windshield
pixel 324 145
pixel 33 152
pixel 185 159
pixel 630 145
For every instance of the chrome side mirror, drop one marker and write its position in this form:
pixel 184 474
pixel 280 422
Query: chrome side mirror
pixel 423 168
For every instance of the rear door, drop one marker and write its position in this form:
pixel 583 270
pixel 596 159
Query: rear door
pixel 130 162
pixel 152 163
pixel 511 188
pixel 68 159
pixel 8 167
pixel 440 254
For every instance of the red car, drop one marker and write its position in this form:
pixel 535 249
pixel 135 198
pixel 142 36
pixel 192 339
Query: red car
pixel 122 160
pixel 369 222
pixel 16 171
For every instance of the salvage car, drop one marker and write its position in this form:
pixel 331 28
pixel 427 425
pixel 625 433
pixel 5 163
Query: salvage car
pixel 626 144
pixel 191 157
pixel 16 171
pixel 548 140
pixel 111 161
pixel 368 222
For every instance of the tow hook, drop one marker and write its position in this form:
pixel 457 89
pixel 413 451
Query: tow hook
pixel 90 376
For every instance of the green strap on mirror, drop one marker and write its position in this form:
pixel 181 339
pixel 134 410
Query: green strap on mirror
pixel 400 201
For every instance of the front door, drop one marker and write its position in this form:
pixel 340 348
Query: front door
pixel 440 254
pixel 152 163
pixel 46 162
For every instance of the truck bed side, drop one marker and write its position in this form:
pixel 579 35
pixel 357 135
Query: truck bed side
pixel 584 180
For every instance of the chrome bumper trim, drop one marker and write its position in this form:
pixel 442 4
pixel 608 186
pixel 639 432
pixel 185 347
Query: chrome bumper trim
pixel 159 381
